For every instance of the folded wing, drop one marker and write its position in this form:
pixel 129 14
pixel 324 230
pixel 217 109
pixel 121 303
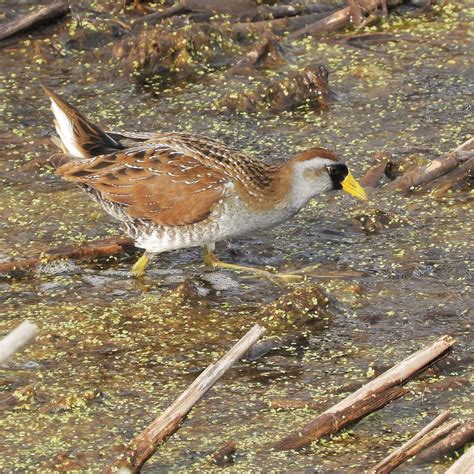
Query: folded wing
pixel 152 182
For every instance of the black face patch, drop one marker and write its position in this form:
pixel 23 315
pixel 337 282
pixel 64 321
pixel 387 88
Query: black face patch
pixel 337 173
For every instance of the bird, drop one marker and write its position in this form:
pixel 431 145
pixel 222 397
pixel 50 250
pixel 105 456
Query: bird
pixel 173 190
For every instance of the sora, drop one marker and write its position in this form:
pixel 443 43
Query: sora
pixel 177 190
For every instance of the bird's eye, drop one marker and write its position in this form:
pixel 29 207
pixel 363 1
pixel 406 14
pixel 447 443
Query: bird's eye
pixel 337 173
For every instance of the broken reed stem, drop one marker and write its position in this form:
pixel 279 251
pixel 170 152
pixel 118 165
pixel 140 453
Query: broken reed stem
pixel 46 14
pixel 147 442
pixel 455 440
pixel 414 445
pixel 334 418
pixel 464 465
pixel 98 248
pixel 16 339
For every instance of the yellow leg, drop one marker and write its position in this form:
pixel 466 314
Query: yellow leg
pixel 138 269
pixel 212 261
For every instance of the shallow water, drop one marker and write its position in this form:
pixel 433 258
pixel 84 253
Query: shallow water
pixel 113 352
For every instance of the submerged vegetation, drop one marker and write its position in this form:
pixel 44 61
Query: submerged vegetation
pixel 383 278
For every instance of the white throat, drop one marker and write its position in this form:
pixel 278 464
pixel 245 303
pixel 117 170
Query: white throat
pixel 309 179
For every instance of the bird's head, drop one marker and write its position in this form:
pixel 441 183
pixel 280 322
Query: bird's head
pixel 318 170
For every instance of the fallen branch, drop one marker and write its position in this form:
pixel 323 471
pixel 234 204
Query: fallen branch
pixel 42 16
pixel 454 441
pixel 16 339
pixel 224 455
pixel 464 465
pixel 431 433
pixel 147 442
pixel 423 174
pixel 380 390
pixel 89 251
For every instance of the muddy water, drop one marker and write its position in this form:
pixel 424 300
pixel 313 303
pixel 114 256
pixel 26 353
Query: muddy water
pixel 113 352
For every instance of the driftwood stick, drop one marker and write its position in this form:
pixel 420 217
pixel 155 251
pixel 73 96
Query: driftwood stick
pixel 89 251
pixel 332 419
pixel 405 451
pixel 147 442
pixel 224 455
pixel 423 174
pixel 16 339
pixel 464 465
pixel 454 441
pixel 44 15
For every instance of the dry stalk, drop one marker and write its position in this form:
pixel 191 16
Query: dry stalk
pixel 147 442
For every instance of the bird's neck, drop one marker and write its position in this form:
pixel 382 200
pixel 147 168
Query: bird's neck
pixel 283 188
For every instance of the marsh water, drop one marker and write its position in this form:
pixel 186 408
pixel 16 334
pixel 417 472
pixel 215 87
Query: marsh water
pixel 113 352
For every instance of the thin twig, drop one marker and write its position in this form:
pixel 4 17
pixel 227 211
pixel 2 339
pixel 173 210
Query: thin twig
pixel 147 442
pixel 46 14
pixel 16 339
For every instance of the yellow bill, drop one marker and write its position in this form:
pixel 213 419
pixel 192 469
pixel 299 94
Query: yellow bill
pixel 351 186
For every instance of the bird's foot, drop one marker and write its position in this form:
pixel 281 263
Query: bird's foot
pixel 212 261
pixel 139 267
